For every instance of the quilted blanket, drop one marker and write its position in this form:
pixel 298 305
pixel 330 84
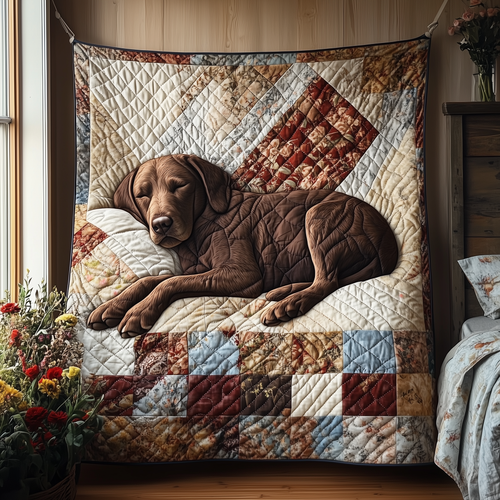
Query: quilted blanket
pixel 347 376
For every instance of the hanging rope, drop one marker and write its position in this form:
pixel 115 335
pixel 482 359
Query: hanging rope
pixel 66 28
pixel 435 23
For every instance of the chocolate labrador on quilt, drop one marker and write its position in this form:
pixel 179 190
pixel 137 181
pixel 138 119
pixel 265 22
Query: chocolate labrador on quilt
pixel 297 246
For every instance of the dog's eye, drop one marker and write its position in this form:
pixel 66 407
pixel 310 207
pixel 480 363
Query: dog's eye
pixel 175 187
pixel 142 195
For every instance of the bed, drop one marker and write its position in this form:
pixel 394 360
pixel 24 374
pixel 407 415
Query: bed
pixel 468 387
pixel 350 380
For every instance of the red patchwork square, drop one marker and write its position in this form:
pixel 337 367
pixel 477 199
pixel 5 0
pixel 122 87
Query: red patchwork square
pixel 85 241
pixel 369 395
pixel 161 354
pixel 213 395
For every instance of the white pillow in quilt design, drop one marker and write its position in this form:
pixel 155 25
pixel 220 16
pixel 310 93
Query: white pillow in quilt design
pixel 130 241
pixel 483 273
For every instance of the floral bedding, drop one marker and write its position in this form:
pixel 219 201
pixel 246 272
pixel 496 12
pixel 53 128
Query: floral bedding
pixel 350 380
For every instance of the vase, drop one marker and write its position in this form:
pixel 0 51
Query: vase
pixel 484 83
pixel 63 490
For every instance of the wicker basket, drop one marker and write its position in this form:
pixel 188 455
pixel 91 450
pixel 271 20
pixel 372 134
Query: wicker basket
pixel 63 490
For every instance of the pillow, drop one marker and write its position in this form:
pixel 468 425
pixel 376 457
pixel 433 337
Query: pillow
pixel 483 273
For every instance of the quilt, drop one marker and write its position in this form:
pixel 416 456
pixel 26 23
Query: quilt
pixel 250 264
pixel 468 415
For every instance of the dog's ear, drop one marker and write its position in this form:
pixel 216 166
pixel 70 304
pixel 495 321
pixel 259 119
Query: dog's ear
pixel 215 180
pixel 124 196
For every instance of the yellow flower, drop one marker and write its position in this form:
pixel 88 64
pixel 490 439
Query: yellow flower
pixel 22 406
pixel 72 372
pixel 8 395
pixel 50 387
pixel 66 320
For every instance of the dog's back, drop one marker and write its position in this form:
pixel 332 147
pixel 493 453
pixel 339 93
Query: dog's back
pixel 276 226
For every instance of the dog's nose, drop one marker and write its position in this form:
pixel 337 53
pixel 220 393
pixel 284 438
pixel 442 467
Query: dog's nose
pixel 161 224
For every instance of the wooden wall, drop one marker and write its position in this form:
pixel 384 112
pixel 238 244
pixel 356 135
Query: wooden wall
pixel 262 25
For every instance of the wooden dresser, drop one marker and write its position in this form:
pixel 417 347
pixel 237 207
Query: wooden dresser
pixel 473 152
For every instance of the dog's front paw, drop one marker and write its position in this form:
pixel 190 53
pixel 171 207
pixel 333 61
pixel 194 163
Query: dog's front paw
pixel 107 315
pixel 139 319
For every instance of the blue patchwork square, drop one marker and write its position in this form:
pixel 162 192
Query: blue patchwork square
pixel 327 438
pixel 212 353
pixel 369 351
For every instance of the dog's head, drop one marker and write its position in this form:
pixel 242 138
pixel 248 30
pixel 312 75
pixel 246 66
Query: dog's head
pixel 169 193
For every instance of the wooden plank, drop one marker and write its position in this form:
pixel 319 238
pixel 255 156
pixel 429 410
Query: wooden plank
pixel 375 21
pixel 471 108
pixel 270 480
pixel 472 307
pixel 319 24
pixel 481 135
pixel 481 246
pixel 414 17
pixel 455 159
pixel 482 196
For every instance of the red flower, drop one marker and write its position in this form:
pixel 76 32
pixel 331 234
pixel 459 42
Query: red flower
pixel 38 444
pixel 54 373
pixel 34 417
pixel 48 436
pixel 15 338
pixel 33 372
pixel 9 308
pixel 58 418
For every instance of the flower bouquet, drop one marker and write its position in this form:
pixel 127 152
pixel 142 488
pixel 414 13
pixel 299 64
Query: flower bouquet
pixel 480 28
pixel 46 417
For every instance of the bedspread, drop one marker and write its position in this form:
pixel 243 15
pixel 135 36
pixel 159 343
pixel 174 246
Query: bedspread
pixel 350 380
pixel 468 419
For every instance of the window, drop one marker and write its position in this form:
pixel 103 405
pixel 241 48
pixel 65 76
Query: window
pixel 4 150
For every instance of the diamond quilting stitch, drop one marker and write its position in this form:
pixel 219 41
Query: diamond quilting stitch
pixel 168 397
pixel 212 353
pixel 213 395
pixel 266 395
pixel 317 352
pixel 369 352
pixel 369 394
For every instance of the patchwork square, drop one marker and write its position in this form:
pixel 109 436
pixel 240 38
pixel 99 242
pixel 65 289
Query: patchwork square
pixel 266 395
pixel 415 394
pixel 265 353
pixel 151 354
pixel 317 395
pixel 370 395
pixel 317 353
pixel 117 393
pixel 415 440
pixel 85 240
pixel 317 437
pixel 411 352
pixel 213 395
pixel 369 352
pixel 168 397
pixel 264 438
pixel 370 440
pixel 212 353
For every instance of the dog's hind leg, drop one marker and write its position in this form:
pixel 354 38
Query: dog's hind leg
pixel 286 290
pixel 328 247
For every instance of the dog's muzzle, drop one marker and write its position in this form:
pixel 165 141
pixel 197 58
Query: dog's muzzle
pixel 161 225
